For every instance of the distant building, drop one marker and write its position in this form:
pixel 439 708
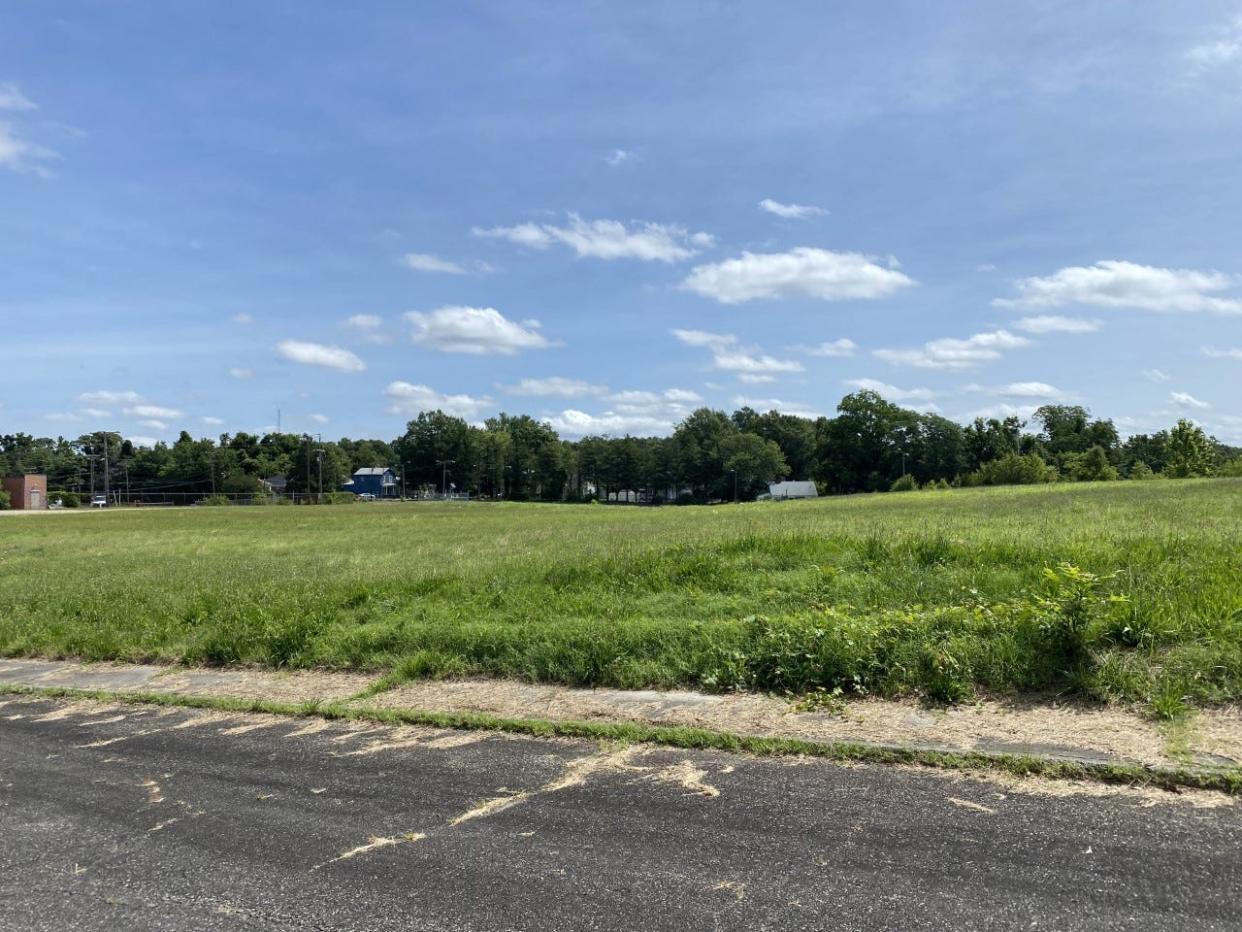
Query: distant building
pixel 783 490
pixel 26 493
pixel 276 485
pixel 379 481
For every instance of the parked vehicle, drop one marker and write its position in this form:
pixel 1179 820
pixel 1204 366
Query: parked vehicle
pixel 99 501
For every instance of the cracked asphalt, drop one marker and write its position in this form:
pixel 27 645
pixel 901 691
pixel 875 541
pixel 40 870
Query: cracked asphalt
pixel 134 818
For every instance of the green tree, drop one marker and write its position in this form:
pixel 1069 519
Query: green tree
pixel 1189 451
pixel 755 461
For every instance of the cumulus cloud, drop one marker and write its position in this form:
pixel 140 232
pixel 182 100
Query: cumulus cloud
pixel 212 421
pixel 607 239
pixel 1187 400
pixel 96 412
pixel 640 413
pixel 804 272
pixel 1000 412
pixel 317 354
pixel 1021 390
pixel 763 405
pixel 1223 353
pixel 409 400
pixel 153 411
pixel 140 441
pixel 480 331
pixel 239 372
pixel 1224 50
pixel 369 327
pixel 836 348
pixel 1119 284
pixel 891 392
pixel 951 353
pixel 555 386
pixel 790 211
pixel 749 363
pixel 1156 375
pixel 425 262
pixel 1053 323
pixel 153 423
pixel 106 397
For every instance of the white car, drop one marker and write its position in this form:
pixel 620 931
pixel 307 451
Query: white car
pixel 99 501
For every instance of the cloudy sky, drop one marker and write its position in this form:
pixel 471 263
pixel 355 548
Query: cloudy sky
pixel 608 214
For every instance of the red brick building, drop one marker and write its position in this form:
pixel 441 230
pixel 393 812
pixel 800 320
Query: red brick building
pixel 27 493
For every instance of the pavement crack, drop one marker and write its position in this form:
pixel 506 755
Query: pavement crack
pixel 374 843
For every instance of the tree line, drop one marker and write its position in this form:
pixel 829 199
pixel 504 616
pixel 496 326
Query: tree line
pixel 870 445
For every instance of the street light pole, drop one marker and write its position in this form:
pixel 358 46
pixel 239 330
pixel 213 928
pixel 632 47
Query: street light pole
pixel 444 464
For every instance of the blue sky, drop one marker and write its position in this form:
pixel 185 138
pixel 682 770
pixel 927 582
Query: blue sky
pixel 607 214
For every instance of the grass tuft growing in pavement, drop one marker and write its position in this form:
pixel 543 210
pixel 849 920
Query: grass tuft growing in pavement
pixel 1130 591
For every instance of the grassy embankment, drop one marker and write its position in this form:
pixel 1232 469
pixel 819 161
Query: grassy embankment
pixel 942 592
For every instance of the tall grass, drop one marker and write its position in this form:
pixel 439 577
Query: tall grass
pixel 943 594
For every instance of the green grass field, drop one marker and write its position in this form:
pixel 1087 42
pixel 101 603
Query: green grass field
pixel 941 592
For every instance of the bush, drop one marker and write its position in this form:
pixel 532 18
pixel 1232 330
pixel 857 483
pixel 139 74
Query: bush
pixel 66 499
pixel 340 498
pixel 4 500
pixel 1013 469
pixel 937 485
pixel 214 501
pixel 1141 471
pixel 1231 469
pixel 904 483
pixel 1092 466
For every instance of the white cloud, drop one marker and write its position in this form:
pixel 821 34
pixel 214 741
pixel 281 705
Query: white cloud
pixel 753 378
pixel 153 423
pixel 730 356
pixel 154 411
pixel 1215 353
pixel 1120 284
pixel 1186 400
pixel 67 416
pixel 242 319
pixel 801 272
pixel 790 211
pixel 212 421
pixel 1156 375
pixel 1222 51
pixel 316 354
pixel 140 441
pixel 408 400
pixel 835 348
pixel 1021 390
pixel 1001 411
pixel 1053 323
pixel 704 338
pixel 951 353
pixel 891 392
pixel 985 267
pixel 607 239
pixel 13 99
pixel 238 372
pixel 110 397
pixel 319 418
pixel 556 385
pixel 642 413
pixel 364 322
pixel 763 405
pixel 476 330
pixel 618 157
pixel 96 412
pixel 425 262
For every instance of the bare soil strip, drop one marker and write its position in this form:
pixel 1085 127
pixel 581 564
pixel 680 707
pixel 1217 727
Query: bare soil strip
pixel 1051 728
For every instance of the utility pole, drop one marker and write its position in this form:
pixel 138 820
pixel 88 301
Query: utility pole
pixel 444 464
pixel 735 486
pixel 319 455
pixel 107 497
pixel 307 436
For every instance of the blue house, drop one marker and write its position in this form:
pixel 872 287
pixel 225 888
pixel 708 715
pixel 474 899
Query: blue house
pixel 379 481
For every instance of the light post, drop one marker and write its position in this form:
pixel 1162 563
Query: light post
pixel 444 465
pixel 734 471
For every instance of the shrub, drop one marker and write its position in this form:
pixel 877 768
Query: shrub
pixel 340 498
pixel 936 485
pixel 1077 598
pixel 4 500
pixel 1232 469
pixel 1092 466
pixel 1141 471
pixel 904 483
pixel 215 500
pixel 1013 469
pixel 67 499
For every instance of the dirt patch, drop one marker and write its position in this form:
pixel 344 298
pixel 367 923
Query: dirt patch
pixel 294 686
pixel 1052 728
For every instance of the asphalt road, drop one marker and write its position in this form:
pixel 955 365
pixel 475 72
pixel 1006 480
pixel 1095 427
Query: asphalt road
pixel 132 818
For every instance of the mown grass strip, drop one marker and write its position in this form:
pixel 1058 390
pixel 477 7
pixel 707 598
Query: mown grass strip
pixel 1225 780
